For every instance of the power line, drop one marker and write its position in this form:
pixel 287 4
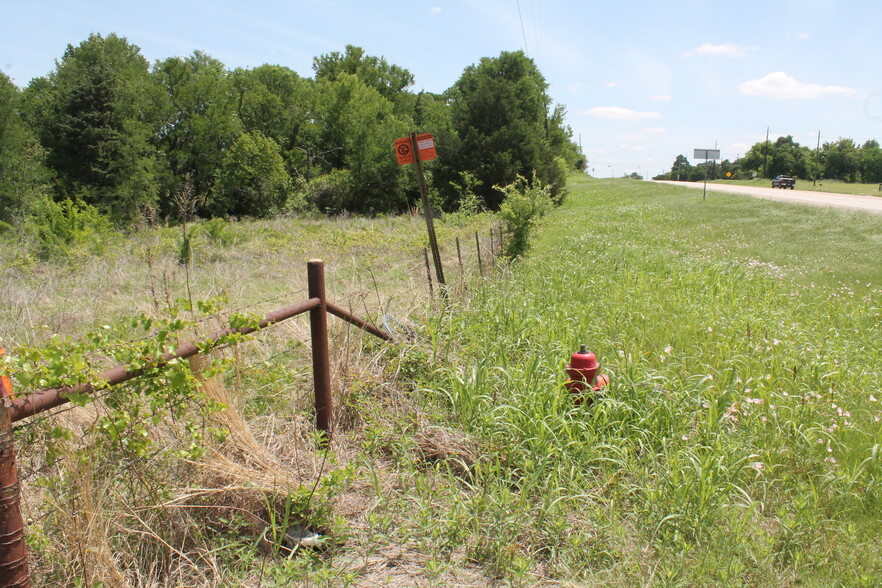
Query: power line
pixel 523 31
pixel 537 26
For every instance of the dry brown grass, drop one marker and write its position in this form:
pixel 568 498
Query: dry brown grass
pixel 156 522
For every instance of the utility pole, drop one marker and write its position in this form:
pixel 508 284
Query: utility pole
pixel 714 164
pixel 765 151
pixel 817 159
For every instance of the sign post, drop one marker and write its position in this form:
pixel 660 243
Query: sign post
pixel 415 149
pixel 706 154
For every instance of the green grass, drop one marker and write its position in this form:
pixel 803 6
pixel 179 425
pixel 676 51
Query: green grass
pixel 739 440
pixel 815 186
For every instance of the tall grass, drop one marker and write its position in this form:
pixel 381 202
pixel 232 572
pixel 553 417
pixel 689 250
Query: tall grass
pixel 739 440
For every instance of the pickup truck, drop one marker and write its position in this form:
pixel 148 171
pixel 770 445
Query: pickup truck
pixel 784 182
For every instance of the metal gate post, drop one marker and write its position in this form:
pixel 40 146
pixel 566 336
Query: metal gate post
pixel 321 365
pixel 13 550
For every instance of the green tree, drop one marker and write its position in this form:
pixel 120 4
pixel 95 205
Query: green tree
pixel 752 162
pixel 560 138
pixel 681 169
pixel 499 109
pixel 23 177
pixel 387 79
pixel 787 157
pixel 871 162
pixel 200 121
pixel 355 129
pixel 277 102
pixel 253 180
pixel 841 160
pixel 95 114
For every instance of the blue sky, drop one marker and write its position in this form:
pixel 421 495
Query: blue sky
pixel 641 80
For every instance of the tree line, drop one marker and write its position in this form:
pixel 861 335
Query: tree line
pixel 107 134
pixel 843 160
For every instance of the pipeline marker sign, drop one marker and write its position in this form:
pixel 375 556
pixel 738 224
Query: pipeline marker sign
pixel 403 151
pixel 425 145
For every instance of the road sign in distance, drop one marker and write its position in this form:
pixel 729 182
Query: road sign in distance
pixel 706 154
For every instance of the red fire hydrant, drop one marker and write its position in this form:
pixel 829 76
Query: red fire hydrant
pixel 582 371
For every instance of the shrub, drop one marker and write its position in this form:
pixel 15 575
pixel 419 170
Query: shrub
pixel 524 204
pixel 331 192
pixel 253 181
pixel 217 231
pixel 67 228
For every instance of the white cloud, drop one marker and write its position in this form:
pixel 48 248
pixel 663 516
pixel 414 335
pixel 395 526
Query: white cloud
pixel 435 10
pixel 780 85
pixel 730 50
pixel 661 98
pixel 611 84
pixel 619 113
pixel 577 87
pixel 803 36
pixel 655 130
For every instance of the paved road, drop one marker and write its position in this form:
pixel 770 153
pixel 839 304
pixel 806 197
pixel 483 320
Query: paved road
pixel 868 203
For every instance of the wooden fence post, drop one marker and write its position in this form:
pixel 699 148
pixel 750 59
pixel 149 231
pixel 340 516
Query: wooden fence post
pixel 321 364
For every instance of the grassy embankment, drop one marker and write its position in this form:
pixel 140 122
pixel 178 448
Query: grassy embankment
pixel 737 443
pixel 739 440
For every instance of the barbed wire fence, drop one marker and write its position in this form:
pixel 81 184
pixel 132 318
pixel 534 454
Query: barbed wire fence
pixel 366 289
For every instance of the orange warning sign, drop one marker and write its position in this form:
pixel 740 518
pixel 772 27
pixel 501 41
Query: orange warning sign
pixel 425 145
pixel 5 383
pixel 403 151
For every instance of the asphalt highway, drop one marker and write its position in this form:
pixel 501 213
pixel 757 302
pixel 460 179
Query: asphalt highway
pixel 831 199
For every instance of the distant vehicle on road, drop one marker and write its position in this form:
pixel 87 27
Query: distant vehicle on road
pixel 784 182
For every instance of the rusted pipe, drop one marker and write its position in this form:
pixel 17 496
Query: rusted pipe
pixel 321 362
pixel 13 550
pixel 354 320
pixel 32 404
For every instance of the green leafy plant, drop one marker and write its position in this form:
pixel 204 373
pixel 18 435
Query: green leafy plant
pixel 69 228
pixel 525 203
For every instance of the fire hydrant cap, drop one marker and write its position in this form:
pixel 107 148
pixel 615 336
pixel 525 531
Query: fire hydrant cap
pixel 583 360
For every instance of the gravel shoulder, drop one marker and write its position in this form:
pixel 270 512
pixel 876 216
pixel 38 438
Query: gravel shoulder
pixel 831 199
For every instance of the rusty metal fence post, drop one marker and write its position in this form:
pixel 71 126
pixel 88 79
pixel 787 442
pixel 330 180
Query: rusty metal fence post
pixel 478 247
pixel 14 572
pixel 321 363
pixel 13 550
